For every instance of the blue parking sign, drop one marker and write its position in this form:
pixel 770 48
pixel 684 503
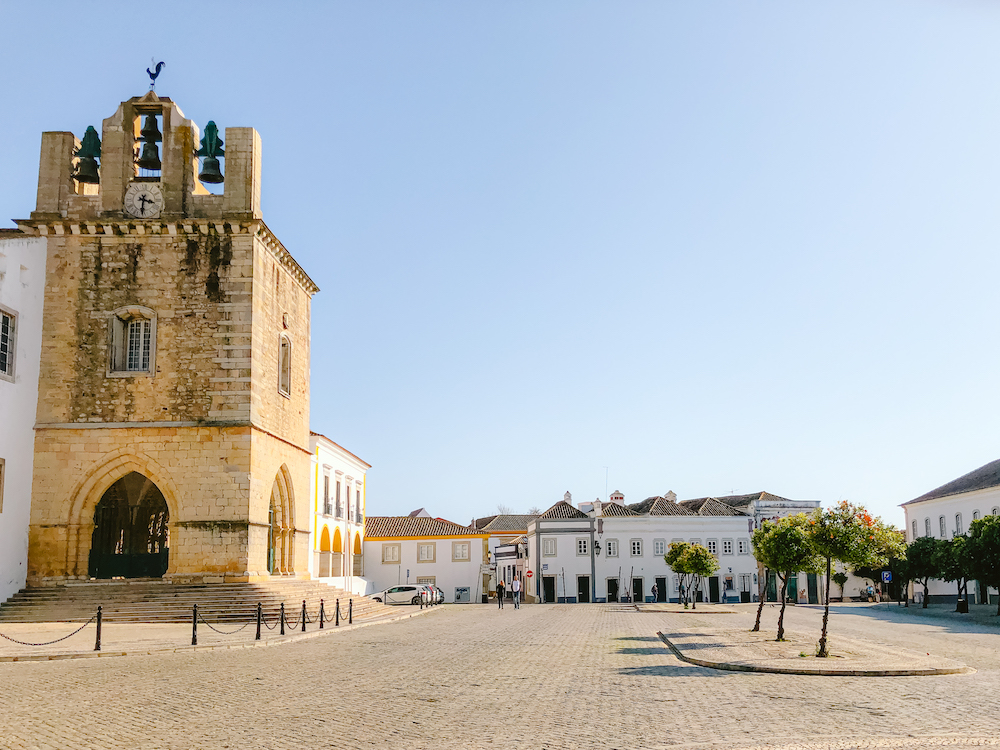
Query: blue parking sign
pixel 886 576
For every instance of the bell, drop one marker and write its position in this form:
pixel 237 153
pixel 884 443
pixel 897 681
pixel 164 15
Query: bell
pixel 210 171
pixel 150 157
pixel 86 171
pixel 150 131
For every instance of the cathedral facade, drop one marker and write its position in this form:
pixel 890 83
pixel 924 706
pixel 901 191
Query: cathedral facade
pixel 172 425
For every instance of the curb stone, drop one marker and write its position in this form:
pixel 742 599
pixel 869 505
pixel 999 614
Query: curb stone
pixel 733 667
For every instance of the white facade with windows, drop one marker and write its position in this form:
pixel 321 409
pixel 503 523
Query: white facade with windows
pixel 338 515
pixel 22 280
pixel 947 511
pixel 420 549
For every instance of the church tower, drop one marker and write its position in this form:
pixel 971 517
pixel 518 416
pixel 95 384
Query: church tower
pixel 172 428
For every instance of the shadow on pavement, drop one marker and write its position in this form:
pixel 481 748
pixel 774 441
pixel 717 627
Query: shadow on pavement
pixel 688 670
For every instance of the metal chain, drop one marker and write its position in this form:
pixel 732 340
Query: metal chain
pixel 264 620
pixel 295 624
pixel 49 643
pixel 221 632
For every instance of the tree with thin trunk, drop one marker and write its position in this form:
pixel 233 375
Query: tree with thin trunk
pixel 921 561
pixel 984 552
pixel 783 546
pixel 850 534
pixel 901 576
pixel 840 578
pixel 761 596
pixel 954 563
pixel 691 563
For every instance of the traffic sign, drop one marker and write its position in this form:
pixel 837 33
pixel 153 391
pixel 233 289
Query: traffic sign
pixel 529 574
pixel 886 576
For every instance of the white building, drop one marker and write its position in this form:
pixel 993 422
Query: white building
pixel 948 510
pixel 22 280
pixel 506 545
pixel 338 515
pixel 606 551
pixel 419 549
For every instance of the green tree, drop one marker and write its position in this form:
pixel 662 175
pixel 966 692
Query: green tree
pixel 784 547
pixel 691 563
pixel 762 574
pixel 840 578
pixel 850 534
pixel 984 552
pixel 901 577
pixel 921 560
pixel 953 562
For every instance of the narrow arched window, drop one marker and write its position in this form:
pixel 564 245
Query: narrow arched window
pixel 958 524
pixel 995 512
pixel 975 515
pixel 131 341
pixel 941 527
pixel 285 366
pixel 927 527
pixel 914 536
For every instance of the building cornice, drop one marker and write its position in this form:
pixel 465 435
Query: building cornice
pixel 128 227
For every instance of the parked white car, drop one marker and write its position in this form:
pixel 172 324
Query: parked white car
pixel 408 593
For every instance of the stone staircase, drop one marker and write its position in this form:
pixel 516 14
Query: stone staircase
pixel 158 601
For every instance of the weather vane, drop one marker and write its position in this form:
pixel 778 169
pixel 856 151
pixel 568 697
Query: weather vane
pixel 158 66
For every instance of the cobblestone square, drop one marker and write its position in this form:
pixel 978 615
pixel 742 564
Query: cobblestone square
pixel 544 676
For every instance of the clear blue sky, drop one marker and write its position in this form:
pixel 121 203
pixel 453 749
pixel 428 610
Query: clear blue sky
pixel 713 247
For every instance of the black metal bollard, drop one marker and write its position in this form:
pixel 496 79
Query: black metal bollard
pixel 350 611
pixel 337 615
pixel 303 615
pixel 282 618
pixel 100 615
pixel 260 616
pixel 194 625
pixel 421 601
pixel 322 614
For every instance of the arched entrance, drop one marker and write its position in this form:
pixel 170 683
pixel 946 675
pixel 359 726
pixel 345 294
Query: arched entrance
pixel 338 554
pixel 358 570
pixel 325 555
pixel 131 538
pixel 281 526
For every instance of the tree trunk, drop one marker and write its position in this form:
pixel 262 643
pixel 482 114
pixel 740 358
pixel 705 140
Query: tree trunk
pixel 822 650
pixel 781 613
pixel 694 594
pixel 925 594
pixel 761 593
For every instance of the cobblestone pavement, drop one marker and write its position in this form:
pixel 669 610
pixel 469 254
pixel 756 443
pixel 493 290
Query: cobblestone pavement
pixel 544 676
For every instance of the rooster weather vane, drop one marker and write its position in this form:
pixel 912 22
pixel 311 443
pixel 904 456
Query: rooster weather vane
pixel 155 72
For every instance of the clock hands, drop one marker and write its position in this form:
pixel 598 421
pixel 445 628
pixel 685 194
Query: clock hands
pixel 143 200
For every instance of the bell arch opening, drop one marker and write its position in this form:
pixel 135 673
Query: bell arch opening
pixel 131 536
pixel 281 526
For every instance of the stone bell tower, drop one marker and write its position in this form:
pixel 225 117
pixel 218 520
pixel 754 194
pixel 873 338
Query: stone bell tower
pixel 172 428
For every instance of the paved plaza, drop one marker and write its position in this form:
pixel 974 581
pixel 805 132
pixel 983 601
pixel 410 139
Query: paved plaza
pixel 544 676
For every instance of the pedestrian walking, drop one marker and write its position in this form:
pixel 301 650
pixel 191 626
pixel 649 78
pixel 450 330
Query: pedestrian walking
pixel 654 591
pixel 515 586
pixel 501 589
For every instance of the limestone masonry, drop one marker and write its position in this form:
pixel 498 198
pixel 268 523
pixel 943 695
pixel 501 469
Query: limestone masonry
pixel 172 432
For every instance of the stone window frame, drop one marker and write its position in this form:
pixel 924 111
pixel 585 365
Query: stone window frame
pixel 388 558
pixel 119 322
pixel 431 580
pixel 549 543
pixel 975 514
pixel 612 548
pixel 421 546
pixel 724 543
pixel 359 516
pixel 958 524
pixel 943 527
pixel 455 546
pixel 995 512
pixel 285 365
pixel 743 547
pixel 327 504
pixel 582 546
pixel 633 545
pixel 914 526
pixel 927 527
pixel 9 373
pixel 712 545
pixel 659 547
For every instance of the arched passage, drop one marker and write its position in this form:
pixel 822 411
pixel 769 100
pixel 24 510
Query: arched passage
pixel 281 532
pixel 131 536
pixel 325 554
pixel 358 559
pixel 337 564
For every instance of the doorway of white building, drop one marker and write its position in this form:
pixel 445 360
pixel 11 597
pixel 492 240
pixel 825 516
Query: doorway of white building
pixel 548 589
pixel 583 589
pixel 713 589
pixel 637 590
pixel 612 589
pixel 661 589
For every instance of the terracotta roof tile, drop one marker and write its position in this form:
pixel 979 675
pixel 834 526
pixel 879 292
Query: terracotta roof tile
pixel 507 523
pixel 387 527
pixel 562 509
pixel 979 479
pixel 614 509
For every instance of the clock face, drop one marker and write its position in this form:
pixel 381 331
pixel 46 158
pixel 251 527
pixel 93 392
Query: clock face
pixel 143 200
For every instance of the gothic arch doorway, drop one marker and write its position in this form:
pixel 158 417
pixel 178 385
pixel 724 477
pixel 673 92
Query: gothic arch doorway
pixel 281 526
pixel 131 536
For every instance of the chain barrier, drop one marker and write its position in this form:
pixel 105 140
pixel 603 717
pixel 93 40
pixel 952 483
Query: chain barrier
pixel 222 632
pixel 269 627
pixel 49 643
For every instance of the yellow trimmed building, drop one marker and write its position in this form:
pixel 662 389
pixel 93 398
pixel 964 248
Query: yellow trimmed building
pixel 338 514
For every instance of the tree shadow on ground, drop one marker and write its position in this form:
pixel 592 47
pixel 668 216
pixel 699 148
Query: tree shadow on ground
pixel 936 615
pixel 639 638
pixel 666 670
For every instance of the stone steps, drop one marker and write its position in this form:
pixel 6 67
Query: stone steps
pixel 164 602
